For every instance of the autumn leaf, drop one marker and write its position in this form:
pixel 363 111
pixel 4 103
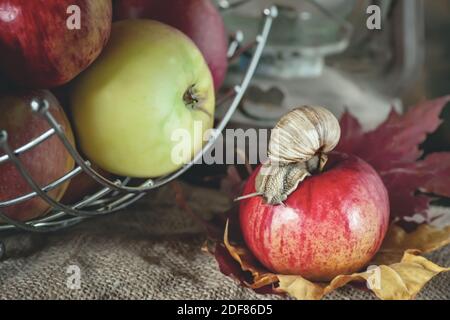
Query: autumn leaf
pixel 249 263
pixel 236 261
pixel 231 268
pixel 398 281
pixel 351 133
pixel 402 184
pixel 437 166
pixel 393 150
pixel 424 239
pixel 396 272
pixel 395 141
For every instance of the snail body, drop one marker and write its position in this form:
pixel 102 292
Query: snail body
pixel 298 146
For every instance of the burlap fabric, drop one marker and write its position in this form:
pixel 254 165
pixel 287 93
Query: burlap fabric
pixel 149 251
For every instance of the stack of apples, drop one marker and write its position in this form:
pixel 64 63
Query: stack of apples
pixel 128 74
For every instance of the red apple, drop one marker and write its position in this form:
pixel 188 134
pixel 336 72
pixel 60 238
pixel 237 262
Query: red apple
pixel 332 224
pixel 82 185
pixel 198 19
pixel 39 50
pixel 46 162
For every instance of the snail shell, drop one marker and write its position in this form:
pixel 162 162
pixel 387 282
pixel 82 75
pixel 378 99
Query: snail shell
pixel 303 133
pixel 297 148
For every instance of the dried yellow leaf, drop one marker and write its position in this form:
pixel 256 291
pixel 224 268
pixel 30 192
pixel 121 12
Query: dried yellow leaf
pixel 399 281
pixel 397 271
pixel 425 239
pixel 247 262
pixel 300 288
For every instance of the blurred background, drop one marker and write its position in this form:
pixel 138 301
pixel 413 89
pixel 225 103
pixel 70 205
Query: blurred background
pixel 322 52
pixel 436 69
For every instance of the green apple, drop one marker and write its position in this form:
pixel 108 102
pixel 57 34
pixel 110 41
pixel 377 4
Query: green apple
pixel 150 82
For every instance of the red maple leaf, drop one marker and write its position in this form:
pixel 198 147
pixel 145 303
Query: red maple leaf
pixel 393 150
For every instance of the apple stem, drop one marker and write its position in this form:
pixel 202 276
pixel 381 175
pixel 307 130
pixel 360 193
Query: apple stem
pixel 323 158
pixel 194 101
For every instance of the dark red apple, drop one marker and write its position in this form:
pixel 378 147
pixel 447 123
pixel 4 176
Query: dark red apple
pixel 39 50
pixel 82 185
pixel 198 19
pixel 332 224
pixel 46 162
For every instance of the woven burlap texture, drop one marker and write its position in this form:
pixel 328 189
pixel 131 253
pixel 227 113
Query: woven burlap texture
pixel 152 250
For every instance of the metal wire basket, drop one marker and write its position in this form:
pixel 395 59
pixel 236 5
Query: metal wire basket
pixel 115 194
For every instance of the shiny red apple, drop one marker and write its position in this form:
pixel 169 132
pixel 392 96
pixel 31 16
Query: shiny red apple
pixel 40 43
pixel 46 162
pixel 332 224
pixel 198 19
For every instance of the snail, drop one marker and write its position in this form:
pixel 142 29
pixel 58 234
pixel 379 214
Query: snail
pixel 298 147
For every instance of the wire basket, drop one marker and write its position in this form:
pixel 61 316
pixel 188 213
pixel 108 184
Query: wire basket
pixel 115 194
